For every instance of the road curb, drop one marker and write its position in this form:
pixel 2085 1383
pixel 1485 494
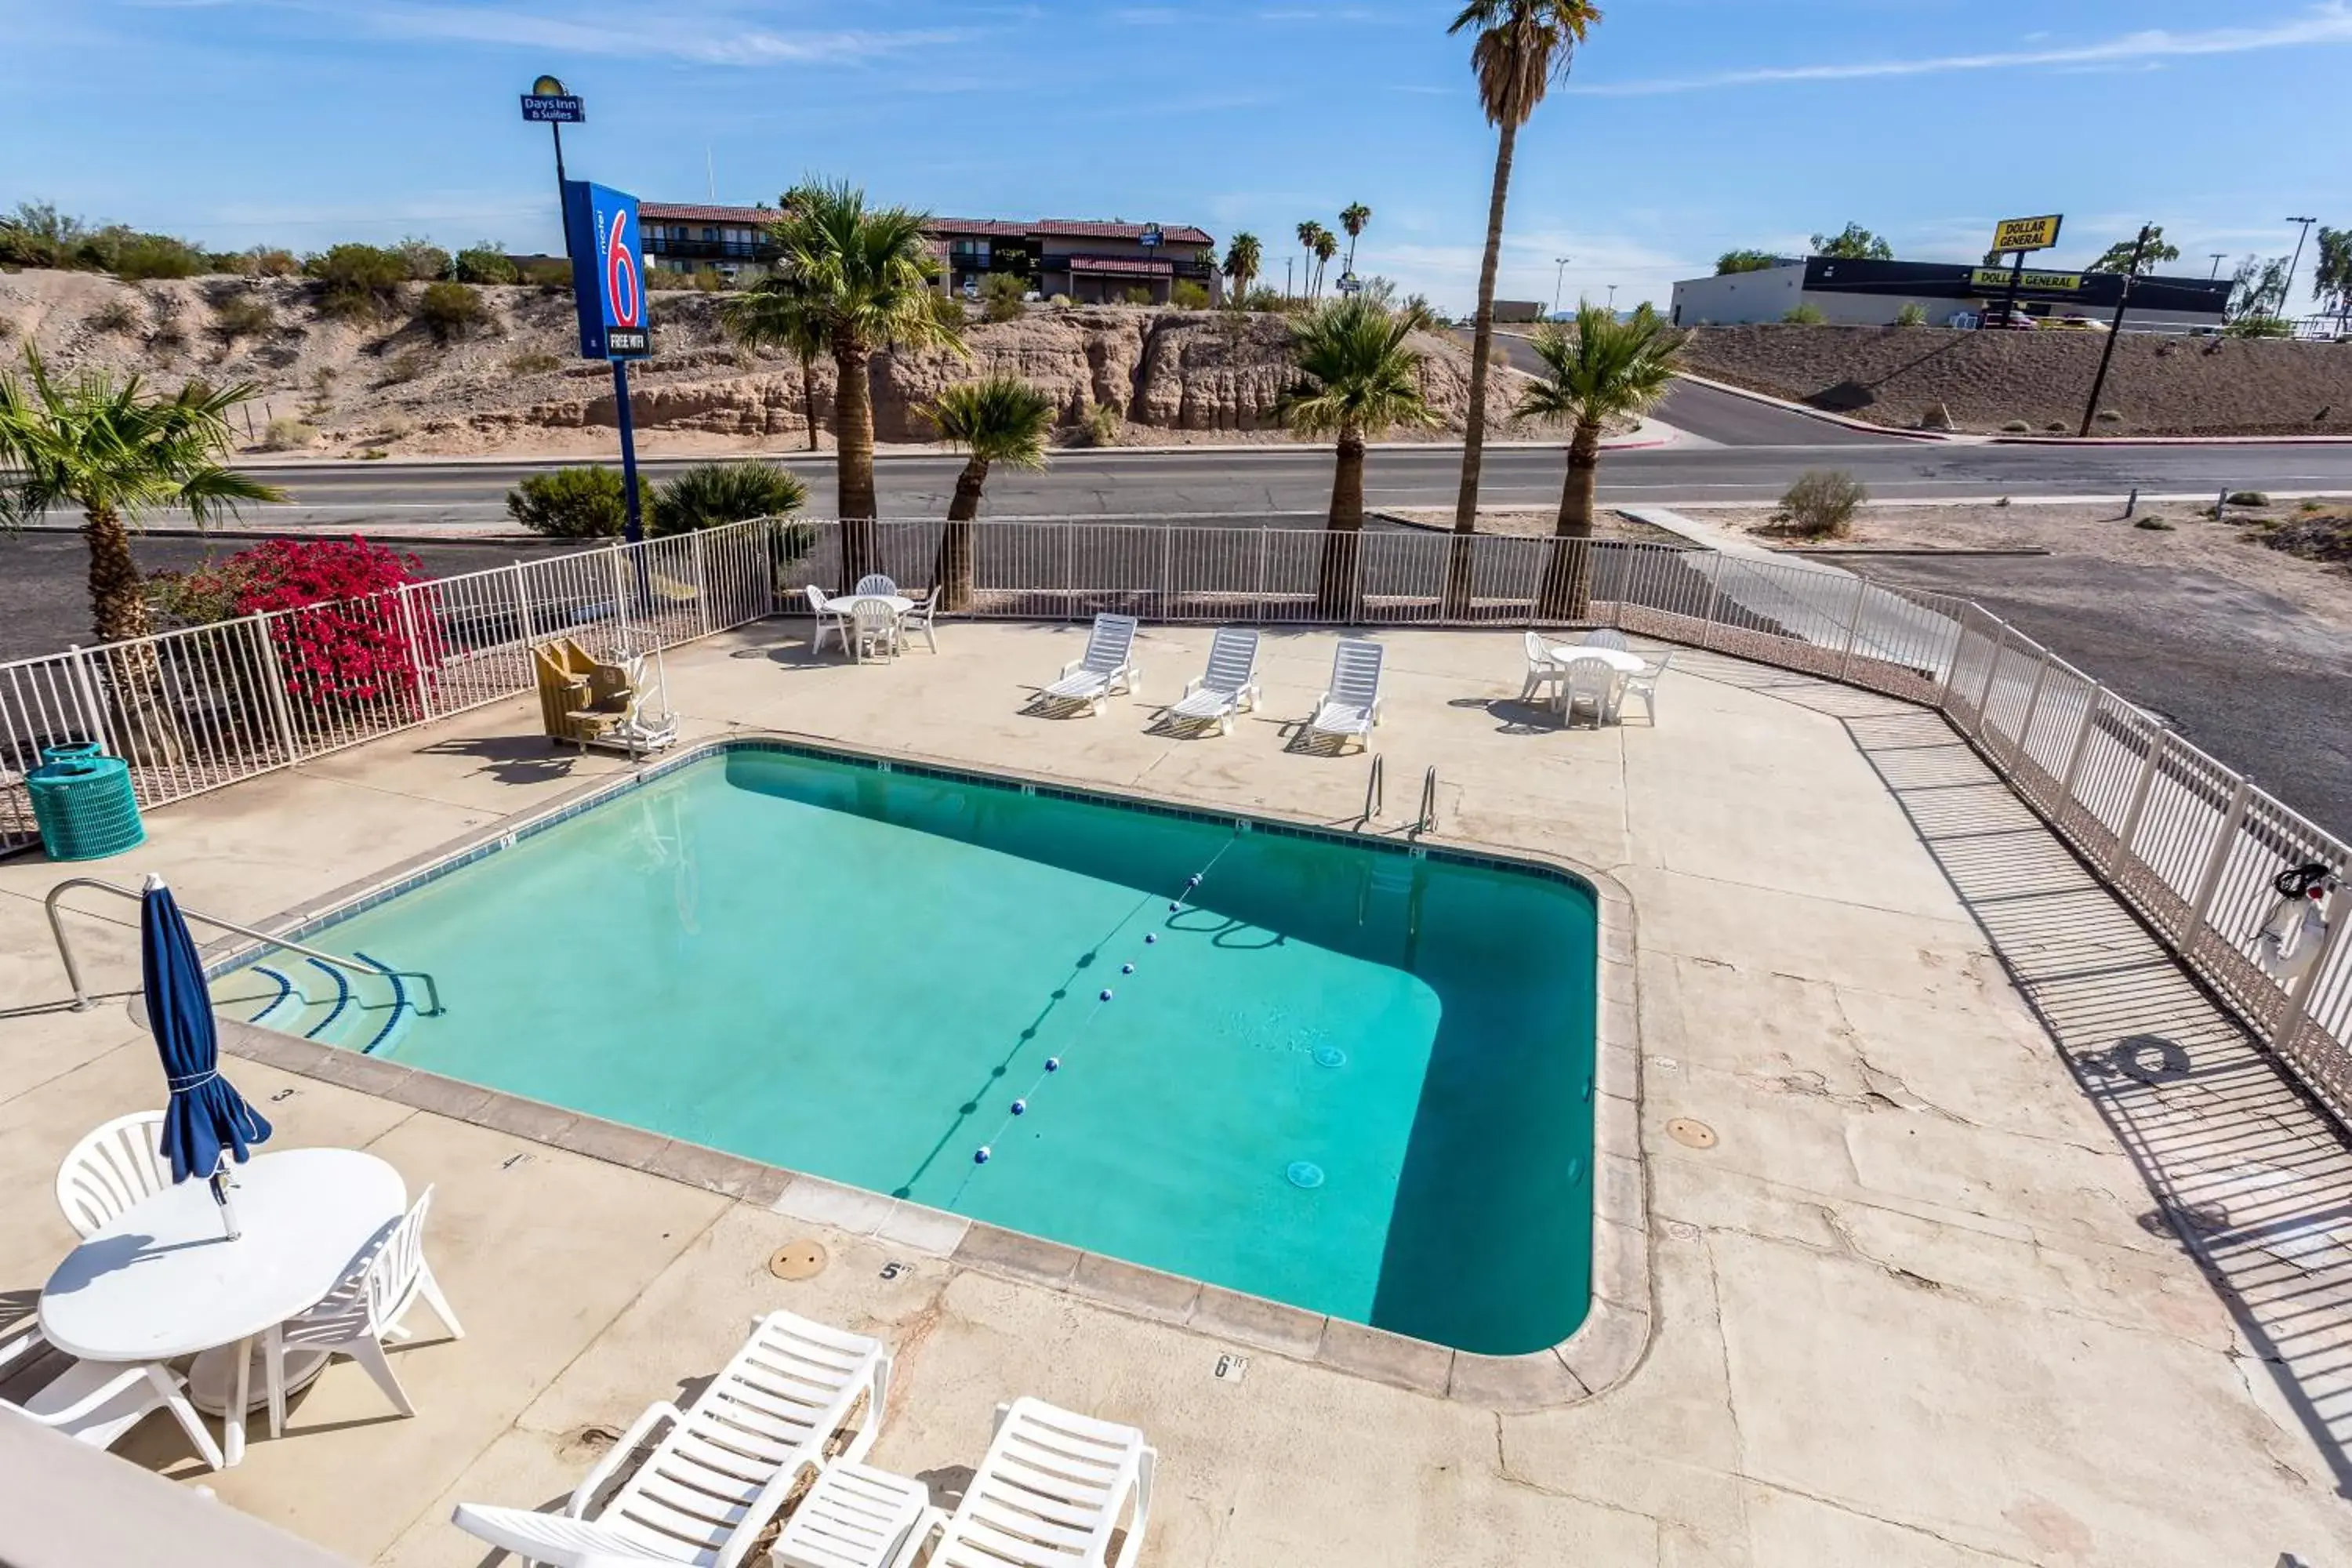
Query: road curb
pixel 1842 421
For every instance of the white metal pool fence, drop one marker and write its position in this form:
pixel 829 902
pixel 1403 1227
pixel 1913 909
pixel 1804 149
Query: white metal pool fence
pixel 2189 843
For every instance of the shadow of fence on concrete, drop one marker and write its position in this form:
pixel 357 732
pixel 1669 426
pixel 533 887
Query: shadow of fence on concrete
pixel 2246 1171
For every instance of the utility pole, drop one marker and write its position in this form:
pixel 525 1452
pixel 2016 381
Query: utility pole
pixel 2218 257
pixel 2116 327
pixel 2291 265
pixel 1560 274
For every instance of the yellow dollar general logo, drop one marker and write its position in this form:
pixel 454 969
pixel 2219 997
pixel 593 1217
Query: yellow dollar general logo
pixel 2026 233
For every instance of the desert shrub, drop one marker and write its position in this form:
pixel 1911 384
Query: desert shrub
pixel 1001 295
pixel 7 329
pixel 1822 503
pixel 2057 426
pixel 2110 417
pixel 424 262
pixel 667 281
pixel 287 434
pixel 243 316
pixel 552 273
pixel 114 316
pixel 1270 301
pixel 200 595
pixel 404 366
pixel 2259 326
pixel 576 503
pixel 1061 301
pixel 533 362
pixel 1188 295
pixel 2154 524
pixel 139 255
pixel 1804 315
pixel 1104 425
pixel 336 652
pixel 2249 498
pixel 2017 427
pixel 450 310
pixel 1913 314
pixel 358 279
pixel 270 262
pixel 1137 295
pixel 483 263
pixel 709 494
pixel 948 311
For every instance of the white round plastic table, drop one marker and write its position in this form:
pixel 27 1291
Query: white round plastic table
pixel 899 604
pixel 1616 658
pixel 163 1282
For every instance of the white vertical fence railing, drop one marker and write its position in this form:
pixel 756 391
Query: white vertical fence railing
pixel 2191 846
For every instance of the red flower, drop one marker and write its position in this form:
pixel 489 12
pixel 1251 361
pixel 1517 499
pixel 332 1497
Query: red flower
pixel 336 618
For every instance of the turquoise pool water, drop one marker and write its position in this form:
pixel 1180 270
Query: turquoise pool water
pixel 1349 1078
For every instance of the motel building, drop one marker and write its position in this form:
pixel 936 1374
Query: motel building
pixel 1090 262
pixel 1848 292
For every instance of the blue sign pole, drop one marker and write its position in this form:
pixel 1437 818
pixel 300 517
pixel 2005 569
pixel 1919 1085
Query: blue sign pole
pixel 637 525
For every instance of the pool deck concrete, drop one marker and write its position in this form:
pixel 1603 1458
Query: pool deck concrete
pixel 1912 1302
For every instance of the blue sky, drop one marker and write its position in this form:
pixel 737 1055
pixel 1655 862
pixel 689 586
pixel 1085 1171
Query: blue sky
pixel 1687 127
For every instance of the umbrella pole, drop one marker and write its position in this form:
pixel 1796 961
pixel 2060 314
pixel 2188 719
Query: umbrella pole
pixel 220 1195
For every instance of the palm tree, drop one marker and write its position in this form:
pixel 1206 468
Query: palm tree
pixel 1353 217
pixel 1306 232
pixel 1522 47
pixel 854 279
pixel 116 452
pixel 997 420
pixel 1600 369
pixel 1326 245
pixel 1360 379
pixel 1242 255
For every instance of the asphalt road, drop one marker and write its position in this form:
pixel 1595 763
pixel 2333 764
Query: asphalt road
pixel 1720 418
pixel 2250 679
pixel 404 497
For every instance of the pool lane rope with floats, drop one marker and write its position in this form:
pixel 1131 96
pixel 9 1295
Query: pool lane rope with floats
pixel 1055 1064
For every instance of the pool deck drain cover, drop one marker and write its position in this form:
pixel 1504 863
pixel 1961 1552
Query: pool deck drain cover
pixel 1691 1134
pixel 1304 1173
pixel 797 1260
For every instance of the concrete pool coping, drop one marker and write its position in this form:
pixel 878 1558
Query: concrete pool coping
pixel 1603 1352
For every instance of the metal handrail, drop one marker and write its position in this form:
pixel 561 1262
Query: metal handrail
pixel 1374 797
pixel 81 997
pixel 1427 821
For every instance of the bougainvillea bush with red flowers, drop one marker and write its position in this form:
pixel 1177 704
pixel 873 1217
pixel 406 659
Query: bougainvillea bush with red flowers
pixel 346 642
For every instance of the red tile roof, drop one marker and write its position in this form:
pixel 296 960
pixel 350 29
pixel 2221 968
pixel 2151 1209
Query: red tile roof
pixel 959 228
pixel 695 211
pixel 1126 266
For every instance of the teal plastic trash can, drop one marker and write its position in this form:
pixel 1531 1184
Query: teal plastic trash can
pixel 83 805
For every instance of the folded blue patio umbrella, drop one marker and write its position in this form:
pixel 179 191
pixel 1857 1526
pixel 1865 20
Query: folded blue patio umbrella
pixel 208 1122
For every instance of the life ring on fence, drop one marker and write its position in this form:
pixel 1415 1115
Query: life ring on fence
pixel 2292 938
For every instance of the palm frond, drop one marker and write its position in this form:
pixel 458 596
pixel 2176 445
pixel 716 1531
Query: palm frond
pixel 1601 367
pixel 96 443
pixel 999 418
pixel 1360 372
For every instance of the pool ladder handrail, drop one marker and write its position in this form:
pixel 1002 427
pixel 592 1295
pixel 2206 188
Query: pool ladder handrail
pixel 1427 821
pixel 1373 798
pixel 81 997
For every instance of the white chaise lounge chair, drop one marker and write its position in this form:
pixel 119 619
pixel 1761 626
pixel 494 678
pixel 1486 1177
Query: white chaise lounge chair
pixel 724 1469
pixel 1048 1494
pixel 1230 687
pixel 1107 668
pixel 1351 707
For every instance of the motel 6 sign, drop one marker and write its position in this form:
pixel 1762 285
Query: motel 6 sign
pixel 608 285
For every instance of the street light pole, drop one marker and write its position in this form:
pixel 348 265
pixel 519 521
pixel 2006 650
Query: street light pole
pixel 1560 274
pixel 1612 299
pixel 2218 257
pixel 2291 265
pixel 2116 327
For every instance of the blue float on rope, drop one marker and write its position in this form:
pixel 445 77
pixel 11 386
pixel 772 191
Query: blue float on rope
pixel 1127 969
pixel 1020 1108
pixel 1106 995
pixel 980 1155
pixel 1149 937
pixel 1053 1064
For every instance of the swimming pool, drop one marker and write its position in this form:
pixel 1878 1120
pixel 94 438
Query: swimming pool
pixel 1349 1077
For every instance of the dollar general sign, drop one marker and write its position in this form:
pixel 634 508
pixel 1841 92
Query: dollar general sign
pixel 2026 233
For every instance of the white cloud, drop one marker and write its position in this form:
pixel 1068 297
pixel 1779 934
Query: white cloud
pixel 2327 24
pixel 644 33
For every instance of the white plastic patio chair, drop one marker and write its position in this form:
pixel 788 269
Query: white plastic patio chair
pixel 1108 666
pixel 920 619
pixel 1229 686
pixel 727 1462
pixel 358 1315
pixel 1643 683
pixel 96 1401
pixel 876 582
pixel 1544 674
pixel 873 629
pixel 829 618
pixel 1591 684
pixel 1607 636
pixel 1049 1493
pixel 113 1167
pixel 1350 708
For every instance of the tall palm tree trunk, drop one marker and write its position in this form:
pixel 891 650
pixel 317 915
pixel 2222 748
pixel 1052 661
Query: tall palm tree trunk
pixel 118 598
pixel 1568 574
pixel 808 397
pixel 853 456
pixel 953 571
pixel 1482 352
pixel 1340 596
